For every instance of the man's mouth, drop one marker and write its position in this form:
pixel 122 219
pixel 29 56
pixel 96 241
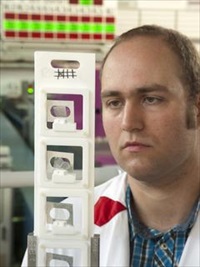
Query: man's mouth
pixel 135 146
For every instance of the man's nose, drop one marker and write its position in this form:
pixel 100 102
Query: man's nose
pixel 132 117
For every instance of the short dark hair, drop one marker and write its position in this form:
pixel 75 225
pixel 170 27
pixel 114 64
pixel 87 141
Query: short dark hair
pixel 180 44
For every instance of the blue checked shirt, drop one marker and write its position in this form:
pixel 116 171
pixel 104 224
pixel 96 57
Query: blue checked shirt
pixel 152 248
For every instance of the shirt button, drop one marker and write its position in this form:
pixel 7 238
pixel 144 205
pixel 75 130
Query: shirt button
pixel 163 246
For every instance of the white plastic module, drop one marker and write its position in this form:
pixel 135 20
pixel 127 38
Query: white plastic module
pixel 64 159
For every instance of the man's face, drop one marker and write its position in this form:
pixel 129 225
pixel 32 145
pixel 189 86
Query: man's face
pixel 145 110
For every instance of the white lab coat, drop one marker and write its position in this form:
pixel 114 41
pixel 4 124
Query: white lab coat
pixel 114 248
pixel 114 233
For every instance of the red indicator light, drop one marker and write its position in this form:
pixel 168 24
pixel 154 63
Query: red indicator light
pixel 85 19
pixel 10 34
pixel 98 19
pixel 48 35
pixel 23 34
pixel 61 36
pixel 73 36
pixel 23 16
pixel 61 18
pixel 73 1
pixel 36 17
pixel 98 2
pixel 109 37
pixel 36 35
pixel 97 36
pixel 85 36
pixel 9 15
pixel 73 18
pixel 48 17
pixel 110 19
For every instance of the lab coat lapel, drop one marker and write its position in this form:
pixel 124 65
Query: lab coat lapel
pixel 114 234
pixel 191 252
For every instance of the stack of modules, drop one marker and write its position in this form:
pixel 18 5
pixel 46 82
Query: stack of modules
pixel 64 159
pixel 54 22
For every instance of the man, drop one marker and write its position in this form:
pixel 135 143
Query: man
pixel 149 216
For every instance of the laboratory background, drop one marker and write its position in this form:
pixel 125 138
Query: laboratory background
pixel 64 26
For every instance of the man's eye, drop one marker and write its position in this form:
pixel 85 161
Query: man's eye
pixel 114 104
pixel 150 100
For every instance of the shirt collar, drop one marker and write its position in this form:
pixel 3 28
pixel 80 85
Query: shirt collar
pixel 136 227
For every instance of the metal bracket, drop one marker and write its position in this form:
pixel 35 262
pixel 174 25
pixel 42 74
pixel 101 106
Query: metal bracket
pixel 95 251
pixel 32 250
pixel 65 206
pixel 52 256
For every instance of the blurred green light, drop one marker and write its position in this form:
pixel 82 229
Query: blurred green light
pixel 51 26
pixel 110 28
pixel 86 2
pixel 30 90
